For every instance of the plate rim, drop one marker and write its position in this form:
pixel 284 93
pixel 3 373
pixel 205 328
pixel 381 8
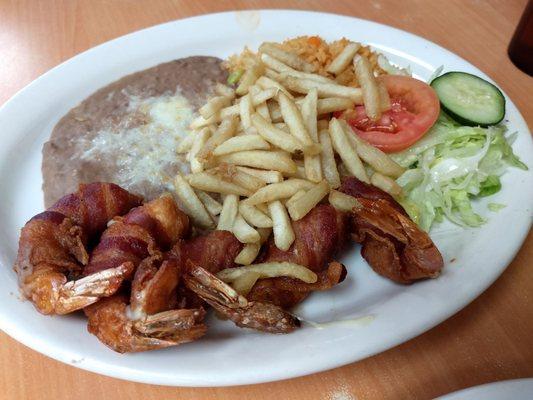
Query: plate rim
pixel 34 343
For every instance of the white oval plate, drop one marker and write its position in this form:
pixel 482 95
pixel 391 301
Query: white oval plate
pixel 231 356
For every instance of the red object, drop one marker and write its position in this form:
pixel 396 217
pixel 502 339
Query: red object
pixel 414 109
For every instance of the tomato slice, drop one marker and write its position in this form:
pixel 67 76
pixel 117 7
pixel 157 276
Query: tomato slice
pixel 414 109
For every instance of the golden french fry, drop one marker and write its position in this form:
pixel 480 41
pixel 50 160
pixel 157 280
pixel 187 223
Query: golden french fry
pixel 373 156
pixel 246 109
pixel 313 169
pixel 246 282
pixel 226 130
pixel 248 254
pixel 262 110
pixel 384 98
pixel 299 173
pixel 274 160
pixel 365 76
pixel 275 64
pixel 343 202
pixel 230 173
pixel 186 143
pixel 213 106
pixel 275 111
pixel 343 60
pixel 270 270
pixel 327 158
pixel 302 205
pixel 228 214
pixel 276 67
pixel 267 83
pixel 276 191
pixel 257 98
pixel 276 136
pixel 386 184
pixel 332 104
pixel 223 90
pixel 254 216
pixel 194 208
pixel 210 183
pixel 249 77
pixel 266 176
pixel 241 143
pixel 295 197
pixel 283 232
pixel 244 232
pixel 294 120
pixel 199 142
pixel 290 59
pixel 324 89
pixel 213 206
pixel 201 122
pixel 345 150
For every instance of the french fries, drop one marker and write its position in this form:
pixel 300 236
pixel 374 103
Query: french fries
pixel 254 216
pixel 386 184
pixel 213 106
pixel 200 140
pixel 226 130
pixel 228 214
pixel 332 104
pixel 186 143
pixel 327 159
pixel 209 183
pixel 266 176
pixel 368 83
pixel 295 196
pixel 250 251
pixel 230 173
pixel 246 109
pixel 267 83
pixel 299 207
pixel 241 143
pixel 313 170
pixel 201 122
pixel 270 270
pixel 294 120
pixel 211 205
pixel 274 160
pixel 344 148
pixel 244 232
pixel 343 202
pixel 277 191
pixel 276 136
pixel 324 89
pixel 245 282
pixel 285 57
pixel 249 77
pixel 344 58
pixel 283 232
pixel 226 91
pixel 384 98
pixel 373 156
pixel 272 151
pixel 194 208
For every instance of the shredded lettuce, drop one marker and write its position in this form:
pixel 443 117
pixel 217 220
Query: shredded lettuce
pixel 449 167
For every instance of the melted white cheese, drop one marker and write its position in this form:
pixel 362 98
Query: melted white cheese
pixel 144 149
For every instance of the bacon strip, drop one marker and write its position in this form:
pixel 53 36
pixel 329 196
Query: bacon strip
pixel 319 236
pixel 393 245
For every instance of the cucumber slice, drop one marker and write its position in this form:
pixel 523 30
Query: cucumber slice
pixel 469 99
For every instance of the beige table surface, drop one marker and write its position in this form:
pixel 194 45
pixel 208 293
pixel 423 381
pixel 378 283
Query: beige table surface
pixel 491 339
